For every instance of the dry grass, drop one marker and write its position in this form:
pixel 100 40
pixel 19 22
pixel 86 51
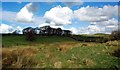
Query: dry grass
pixel 18 57
pixel 66 46
pixel 112 43
pixel 57 55
pixel 58 64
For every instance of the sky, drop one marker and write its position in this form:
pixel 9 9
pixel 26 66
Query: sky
pixel 79 17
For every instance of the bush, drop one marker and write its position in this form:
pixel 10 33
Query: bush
pixel 115 35
pixel 116 53
pixel 99 39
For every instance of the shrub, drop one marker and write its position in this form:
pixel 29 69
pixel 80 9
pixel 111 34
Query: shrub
pixel 116 53
pixel 115 35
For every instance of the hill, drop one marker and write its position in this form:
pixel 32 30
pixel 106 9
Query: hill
pixel 57 52
pixel 14 40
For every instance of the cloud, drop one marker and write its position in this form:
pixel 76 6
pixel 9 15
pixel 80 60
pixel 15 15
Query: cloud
pixel 74 30
pixel 95 14
pixel 102 20
pixel 110 10
pixel 44 24
pixel 91 29
pixel 26 14
pixel 53 26
pixel 4 28
pixel 94 29
pixel 90 14
pixel 73 3
pixel 19 2
pixel 20 29
pixel 111 21
pixel 8 16
pixel 97 27
pixel 59 16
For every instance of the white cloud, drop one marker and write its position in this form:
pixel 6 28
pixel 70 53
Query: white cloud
pixel 4 28
pixel 44 24
pixel 94 29
pixel 102 20
pixel 111 21
pixel 20 29
pixel 26 14
pixel 90 14
pixel 11 17
pixel 82 30
pixel 110 10
pixel 97 27
pixel 8 16
pixel 91 29
pixel 59 16
pixel 19 2
pixel 73 3
pixel 95 14
pixel 74 30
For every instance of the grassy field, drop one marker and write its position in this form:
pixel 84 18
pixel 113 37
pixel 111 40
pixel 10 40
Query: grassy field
pixel 57 52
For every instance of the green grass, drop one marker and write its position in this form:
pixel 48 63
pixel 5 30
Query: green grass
pixel 75 57
pixel 14 40
pixel 94 53
pixel 73 54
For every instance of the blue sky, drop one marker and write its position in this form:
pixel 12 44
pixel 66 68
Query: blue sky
pixel 45 6
pixel 77 23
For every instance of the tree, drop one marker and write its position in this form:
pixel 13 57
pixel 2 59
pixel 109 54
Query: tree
pixel 29 33
pixel 59 31
pixel 16 32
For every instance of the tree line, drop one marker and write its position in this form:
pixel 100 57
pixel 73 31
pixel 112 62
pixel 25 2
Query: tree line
pixel 30 32
pixel 47 30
